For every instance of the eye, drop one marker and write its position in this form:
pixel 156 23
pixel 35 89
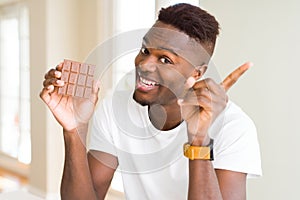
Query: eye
pixel 165 60
pixel 144 51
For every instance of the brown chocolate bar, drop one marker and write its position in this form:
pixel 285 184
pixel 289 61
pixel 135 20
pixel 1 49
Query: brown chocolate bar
pixel 78 78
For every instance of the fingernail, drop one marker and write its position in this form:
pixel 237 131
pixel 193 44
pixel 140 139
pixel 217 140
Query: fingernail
pixel 60 82
pixel 250 64
pixel 190 82
pixel 179 101
pixel 50 87
pixel 57 73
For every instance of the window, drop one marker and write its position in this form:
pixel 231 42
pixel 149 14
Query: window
pixel 133 15
pixel 14 83
pixel 130 17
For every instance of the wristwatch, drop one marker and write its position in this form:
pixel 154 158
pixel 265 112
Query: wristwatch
pixel 199 152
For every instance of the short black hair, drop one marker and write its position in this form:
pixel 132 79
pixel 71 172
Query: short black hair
pixel 193 21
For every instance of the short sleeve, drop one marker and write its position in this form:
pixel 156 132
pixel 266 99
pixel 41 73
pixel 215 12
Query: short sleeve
pixel 237 147
pixel 101 129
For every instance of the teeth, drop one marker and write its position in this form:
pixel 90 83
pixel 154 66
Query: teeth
pixel 148 82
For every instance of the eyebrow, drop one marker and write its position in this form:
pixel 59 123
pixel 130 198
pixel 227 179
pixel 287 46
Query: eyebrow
pixel 145 41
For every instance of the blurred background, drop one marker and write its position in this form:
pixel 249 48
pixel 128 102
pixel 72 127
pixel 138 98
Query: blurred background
pixel 36 35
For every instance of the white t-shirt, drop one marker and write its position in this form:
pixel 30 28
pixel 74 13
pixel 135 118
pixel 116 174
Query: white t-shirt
pixel 151 161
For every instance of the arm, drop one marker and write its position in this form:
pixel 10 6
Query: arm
pixel 204 101
pixel 102 167
pixel 76 181
pixel 232 184
pixel 85 176
pixel 73 115
pixel 205 182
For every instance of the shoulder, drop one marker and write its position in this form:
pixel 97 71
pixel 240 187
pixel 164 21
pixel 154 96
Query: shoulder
pixel 234 121
pixel 236 142
pixel 234 131
pixel 234 115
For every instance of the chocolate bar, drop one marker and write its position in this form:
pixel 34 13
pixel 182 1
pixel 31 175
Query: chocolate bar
pixel 78 78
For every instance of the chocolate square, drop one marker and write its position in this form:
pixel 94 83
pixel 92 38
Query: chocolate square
pixel 78 78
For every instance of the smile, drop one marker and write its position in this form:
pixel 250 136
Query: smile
pixel 144 84
pixel 148 82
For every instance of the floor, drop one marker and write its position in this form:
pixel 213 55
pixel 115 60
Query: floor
pixel 11 188
pixel 10 181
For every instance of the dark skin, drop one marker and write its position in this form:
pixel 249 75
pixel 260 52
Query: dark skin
pixel 201 103
pixel 205 182
pixel 208 97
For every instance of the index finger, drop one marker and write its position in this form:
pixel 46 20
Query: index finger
pixel 235 75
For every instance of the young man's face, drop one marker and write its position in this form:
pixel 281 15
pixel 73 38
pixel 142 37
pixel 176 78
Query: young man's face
pixel 163 65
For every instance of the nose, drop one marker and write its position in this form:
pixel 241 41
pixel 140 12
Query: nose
pixel 148 65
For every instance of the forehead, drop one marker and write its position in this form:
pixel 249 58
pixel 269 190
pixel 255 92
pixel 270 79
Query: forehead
pixel 179 43
pixel 160 46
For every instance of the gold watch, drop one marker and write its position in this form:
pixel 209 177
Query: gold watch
pixel 199 152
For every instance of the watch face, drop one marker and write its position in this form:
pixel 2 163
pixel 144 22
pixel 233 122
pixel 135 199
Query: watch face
pixel 198 153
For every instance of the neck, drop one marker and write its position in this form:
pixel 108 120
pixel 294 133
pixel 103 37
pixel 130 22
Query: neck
pixel 165 117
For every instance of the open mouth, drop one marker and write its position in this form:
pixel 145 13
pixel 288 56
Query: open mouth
pixel 146 84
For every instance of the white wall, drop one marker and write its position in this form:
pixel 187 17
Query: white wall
pixel 266 33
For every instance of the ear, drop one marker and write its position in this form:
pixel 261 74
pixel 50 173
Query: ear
pixel 200 71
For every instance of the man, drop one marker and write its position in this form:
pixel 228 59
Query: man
pixel 171 105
